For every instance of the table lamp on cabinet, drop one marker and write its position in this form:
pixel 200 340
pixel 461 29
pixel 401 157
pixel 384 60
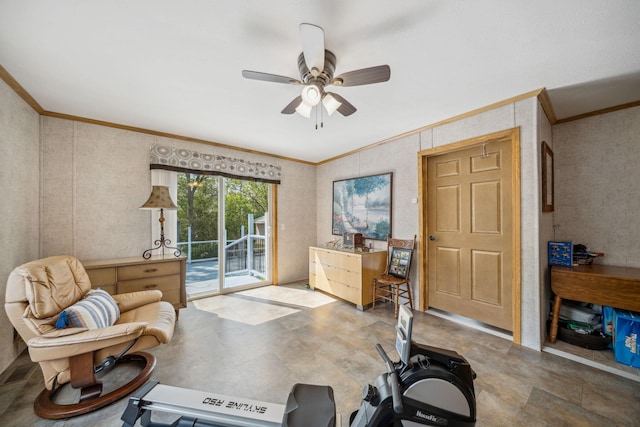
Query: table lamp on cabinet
pixel 160 198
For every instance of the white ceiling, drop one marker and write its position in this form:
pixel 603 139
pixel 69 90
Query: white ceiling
pixel 175 66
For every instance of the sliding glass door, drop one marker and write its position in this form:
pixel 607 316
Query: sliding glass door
pixel 223 227
pixel 246 206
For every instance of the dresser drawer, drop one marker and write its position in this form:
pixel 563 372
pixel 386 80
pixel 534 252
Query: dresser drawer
pixel 172 296
pixel 123 275
pixel 341 275
pixel 352 263
pixel 110 289
pixel 164 283
pixel 344 291
pixel 102 276
pixel 346 275
pixel 129 272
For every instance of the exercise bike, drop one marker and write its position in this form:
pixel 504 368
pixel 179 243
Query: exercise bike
pixel 427 386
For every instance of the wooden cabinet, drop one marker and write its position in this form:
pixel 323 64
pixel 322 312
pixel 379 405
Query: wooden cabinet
pixel 346 274
pixel 122 275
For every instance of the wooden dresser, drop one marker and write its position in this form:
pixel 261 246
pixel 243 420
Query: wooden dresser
pixel 122 275
pixel 346 274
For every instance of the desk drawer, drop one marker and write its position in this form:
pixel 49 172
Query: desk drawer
pixel 164 284
pixel 155 269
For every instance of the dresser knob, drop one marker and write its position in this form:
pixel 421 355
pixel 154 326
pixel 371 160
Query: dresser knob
pixel 151 270
pixel 151 286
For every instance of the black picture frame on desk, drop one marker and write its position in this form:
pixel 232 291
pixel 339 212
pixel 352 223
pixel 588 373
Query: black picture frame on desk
pixel 547 178
pixel 363 205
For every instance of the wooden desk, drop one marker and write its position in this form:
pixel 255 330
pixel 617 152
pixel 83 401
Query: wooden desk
pixel 598 284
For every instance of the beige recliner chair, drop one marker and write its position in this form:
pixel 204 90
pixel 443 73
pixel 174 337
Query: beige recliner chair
pixel 37 293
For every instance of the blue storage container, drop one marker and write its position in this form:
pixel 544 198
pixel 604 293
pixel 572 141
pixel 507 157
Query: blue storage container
pixel 607 320
pixel 625 337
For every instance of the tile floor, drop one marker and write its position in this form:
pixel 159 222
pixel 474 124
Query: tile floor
pixel 257 345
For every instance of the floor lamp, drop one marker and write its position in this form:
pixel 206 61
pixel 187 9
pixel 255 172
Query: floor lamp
pixel 160 198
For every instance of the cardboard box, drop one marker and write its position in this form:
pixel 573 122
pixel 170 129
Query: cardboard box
pixel 625 337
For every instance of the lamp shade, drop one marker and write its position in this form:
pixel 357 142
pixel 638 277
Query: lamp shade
pixel 330 103
pixel 159 198
pixel 304 109
pixel 311 95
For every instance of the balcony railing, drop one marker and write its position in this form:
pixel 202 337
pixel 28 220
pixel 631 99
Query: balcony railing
pixel 244 256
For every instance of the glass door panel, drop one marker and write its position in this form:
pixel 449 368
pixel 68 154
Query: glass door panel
pixel 198 232
pixel 223 228
pixel 246 216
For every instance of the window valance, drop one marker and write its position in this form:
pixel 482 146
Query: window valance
pixel 181 160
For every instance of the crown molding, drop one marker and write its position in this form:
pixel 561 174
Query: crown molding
pixel 599 112
pixel 471 113
pixel 168 135
pixel 541 94
pixel 545 102
pixel 17 88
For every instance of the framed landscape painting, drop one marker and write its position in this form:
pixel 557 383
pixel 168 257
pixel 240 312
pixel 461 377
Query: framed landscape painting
pixel 363 205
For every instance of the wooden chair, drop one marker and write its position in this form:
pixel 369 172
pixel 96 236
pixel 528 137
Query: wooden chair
pixel 394 283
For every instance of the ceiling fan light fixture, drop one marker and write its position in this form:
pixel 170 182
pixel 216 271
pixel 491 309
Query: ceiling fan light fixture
pixel 304 109
pixel 311 95
pixel 330 103
pixel 316 66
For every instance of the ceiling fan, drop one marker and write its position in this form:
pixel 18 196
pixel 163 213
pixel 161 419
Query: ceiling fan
pixel 316 66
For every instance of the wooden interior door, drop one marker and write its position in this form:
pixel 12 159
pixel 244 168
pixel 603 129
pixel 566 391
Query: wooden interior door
pixel 470 232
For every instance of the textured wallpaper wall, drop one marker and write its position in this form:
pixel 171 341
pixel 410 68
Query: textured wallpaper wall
pixel 95 178
pixel 400 157
pixel 19 208
pixel 75 188
pixel 597 171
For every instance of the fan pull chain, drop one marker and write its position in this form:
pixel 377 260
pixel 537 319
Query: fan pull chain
pixel 321 113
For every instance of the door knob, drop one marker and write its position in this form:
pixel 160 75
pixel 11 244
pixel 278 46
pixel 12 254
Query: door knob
pixel 433 238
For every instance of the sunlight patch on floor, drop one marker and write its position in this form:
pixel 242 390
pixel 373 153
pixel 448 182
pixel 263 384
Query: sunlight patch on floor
pixel 263 304
pixel 242 310
pixel 290 296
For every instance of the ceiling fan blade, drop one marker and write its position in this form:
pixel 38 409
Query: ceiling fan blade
pixel 256 75
pixel 313 47
pixel 291 108
pixel 345 108
pixel 365 76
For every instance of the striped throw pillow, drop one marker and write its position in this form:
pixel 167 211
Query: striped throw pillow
pixel 96 310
